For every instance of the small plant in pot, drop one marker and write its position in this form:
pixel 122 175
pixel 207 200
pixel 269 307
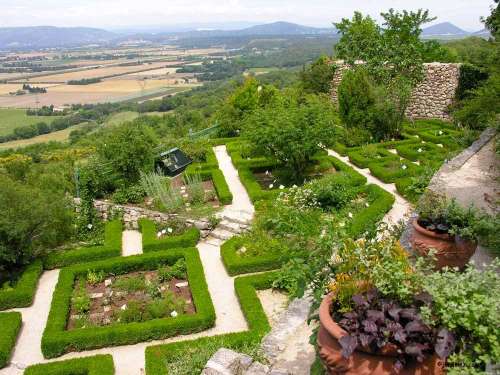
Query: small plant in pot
pixel 370 323
pixel 449 229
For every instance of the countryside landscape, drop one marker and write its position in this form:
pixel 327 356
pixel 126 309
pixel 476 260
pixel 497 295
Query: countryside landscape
pixel 243 188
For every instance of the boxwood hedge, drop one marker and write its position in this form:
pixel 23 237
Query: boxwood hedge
pixel 150 241
pixel 422 151
pixel 57 340
pixel 221 188
pixel 21 295
pixel 238 265
pixel 10 323
pixel 112 248
pixel 358 159
pixel 380 202
pixel 390 170
pixel 95 365
pixel 158 357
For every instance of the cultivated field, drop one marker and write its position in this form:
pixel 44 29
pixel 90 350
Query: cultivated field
pixel 13 118
pixel 98 73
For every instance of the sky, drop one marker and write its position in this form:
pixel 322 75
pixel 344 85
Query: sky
pixel 116 13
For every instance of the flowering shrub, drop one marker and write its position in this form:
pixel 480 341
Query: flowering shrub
pixel 300 198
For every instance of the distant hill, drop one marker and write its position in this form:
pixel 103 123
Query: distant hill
pixel 50 36
pixel 284 28
pixel 444 29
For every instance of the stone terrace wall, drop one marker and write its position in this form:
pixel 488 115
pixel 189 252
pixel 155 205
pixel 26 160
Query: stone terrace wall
pixel 431 98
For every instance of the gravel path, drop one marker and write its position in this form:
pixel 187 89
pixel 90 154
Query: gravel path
pixel 401 207
pixel 131 243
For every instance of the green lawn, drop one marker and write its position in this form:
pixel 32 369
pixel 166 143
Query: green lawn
pixel 121 117
pixel 13 118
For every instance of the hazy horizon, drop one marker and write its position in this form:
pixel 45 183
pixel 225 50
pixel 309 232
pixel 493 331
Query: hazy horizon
pixel 116 14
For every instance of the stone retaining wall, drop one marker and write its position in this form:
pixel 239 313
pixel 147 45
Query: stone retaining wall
pixel 430 99
pixel 132 214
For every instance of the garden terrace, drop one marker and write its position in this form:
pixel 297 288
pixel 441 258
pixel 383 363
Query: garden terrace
pixel 57 340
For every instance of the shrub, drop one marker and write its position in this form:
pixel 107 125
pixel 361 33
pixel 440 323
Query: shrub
pixel 133 313
pixel 95 365
pixel 130 284
pixel 176 271
pixel 333 191
pixel 112 248
pixel 11 324
pixel 237 264
pixel 151 242
pixel 57 340
pixel 128 194
pixel 159 188
pixel 22 293
pixel 470 78
pixel 467 303
pixel 390 170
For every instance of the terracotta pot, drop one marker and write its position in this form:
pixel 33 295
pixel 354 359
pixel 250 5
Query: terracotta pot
pixel 363 362
pixel 450 251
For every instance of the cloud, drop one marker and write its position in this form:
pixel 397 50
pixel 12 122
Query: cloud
pixel 108 13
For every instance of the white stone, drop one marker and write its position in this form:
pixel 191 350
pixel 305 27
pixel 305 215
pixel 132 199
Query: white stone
pixel 124 307
pixel 182 285
pixel 96 295
pixel 107 282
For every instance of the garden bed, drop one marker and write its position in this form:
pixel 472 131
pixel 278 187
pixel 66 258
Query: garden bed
pixel 391 170
pixel 57 340
pixel 101 300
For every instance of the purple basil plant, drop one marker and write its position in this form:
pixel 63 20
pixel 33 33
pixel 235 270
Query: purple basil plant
pixel 375 322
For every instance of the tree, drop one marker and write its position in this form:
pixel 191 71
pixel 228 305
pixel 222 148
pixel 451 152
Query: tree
pixel 317 78
pixel 393 56
pixel 128 149
pixel 292 133
pixel 32 221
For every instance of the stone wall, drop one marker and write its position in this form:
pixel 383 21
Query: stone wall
pixel 132 214
pixel 431 98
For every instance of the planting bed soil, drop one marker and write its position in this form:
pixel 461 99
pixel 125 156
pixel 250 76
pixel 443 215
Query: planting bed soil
pixel 141 291
pixel 208 186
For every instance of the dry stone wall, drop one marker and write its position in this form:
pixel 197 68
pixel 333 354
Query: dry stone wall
pixel 430 99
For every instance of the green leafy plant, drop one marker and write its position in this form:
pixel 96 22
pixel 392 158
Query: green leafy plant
pixel 81 299
pixel 159 188
pixel 177 271
pixel 133 313
pixel 130 283
pixel 467 303
pixel 165 306
pixel 94 277
pixel 195 188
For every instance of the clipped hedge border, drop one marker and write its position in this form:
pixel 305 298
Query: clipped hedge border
pixel 10 324
pixel 402 186
pixel 158 356
pixel 210 163
pixel 150 241
pixel 351 173
pixel 95 365
pixel 381 171
pixel 57 340
pixel 430 151
pixel 358 159
pixel 21 295
pixel 234 151
pixel 381 202
pixel 237 265
pixel 112 248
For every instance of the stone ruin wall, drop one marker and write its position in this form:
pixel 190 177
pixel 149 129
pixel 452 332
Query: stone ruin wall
pixel 431 98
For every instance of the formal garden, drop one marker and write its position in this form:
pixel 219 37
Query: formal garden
pixel 326 203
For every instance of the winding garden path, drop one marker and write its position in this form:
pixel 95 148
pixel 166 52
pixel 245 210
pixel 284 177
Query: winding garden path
pixel 401 207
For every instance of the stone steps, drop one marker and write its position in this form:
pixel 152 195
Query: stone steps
pixel 232 226
pixel 222 234
pixel 237 216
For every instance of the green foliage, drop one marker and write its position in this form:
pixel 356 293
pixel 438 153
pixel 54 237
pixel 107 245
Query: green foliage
pixel 161 308
pixel 95 365
pixel 467 304
pixel 22 292
pixel 10 323
pixel 195 188
pixel 151 242
pixel 160 189
pixel 171 358
pixel 112 248
pixel 471 77
pixel 81 299
pixel 391 170
pixel 176 271
pixel 128 194
pixel 133 313
pixel 57 340
pixel 94 277
pixel 130 284
pixel 292 135
pixel 365 155
pixel 35 218
pixel 127 150
pixel 317 78
pixel 333 191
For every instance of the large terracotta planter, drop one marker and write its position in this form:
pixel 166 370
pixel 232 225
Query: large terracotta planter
pixel 450 251
pixel 362 362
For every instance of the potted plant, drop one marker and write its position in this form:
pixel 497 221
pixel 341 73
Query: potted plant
pixel 370 322
pixel 448 229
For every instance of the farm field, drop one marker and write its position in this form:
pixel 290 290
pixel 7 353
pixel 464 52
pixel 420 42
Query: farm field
pixel 99 72
pixel 13 118
pixel 59 136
